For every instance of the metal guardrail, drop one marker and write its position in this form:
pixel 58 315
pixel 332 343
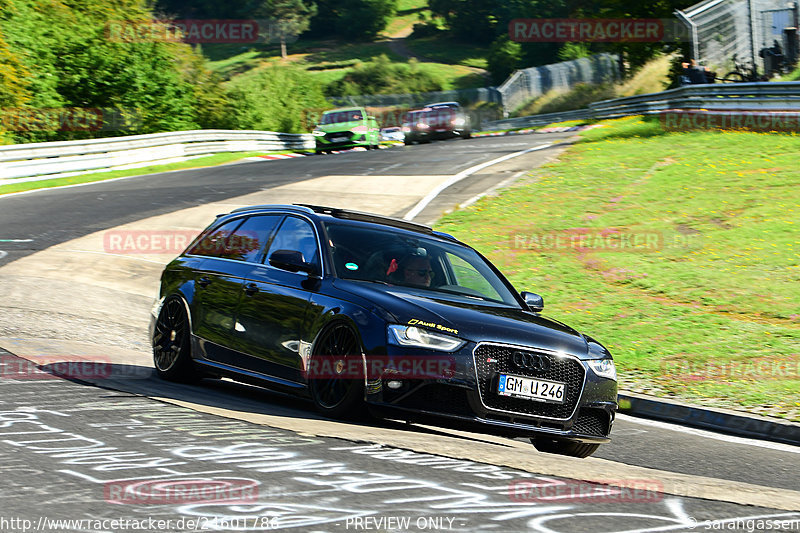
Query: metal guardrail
pixel 537 120
pixel 38 159
pixel 757 96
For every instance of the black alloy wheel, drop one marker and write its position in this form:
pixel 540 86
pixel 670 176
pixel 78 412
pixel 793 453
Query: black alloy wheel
pixel 171 343
pixel 334 392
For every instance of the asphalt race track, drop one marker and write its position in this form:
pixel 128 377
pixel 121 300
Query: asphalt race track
pixel 118 444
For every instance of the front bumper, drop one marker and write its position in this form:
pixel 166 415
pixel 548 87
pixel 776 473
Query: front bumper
pixel 348 140
pixel 468 399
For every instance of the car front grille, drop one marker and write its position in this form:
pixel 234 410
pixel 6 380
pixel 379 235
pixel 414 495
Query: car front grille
pixel 491 360
pixel 592 422
pixel 339 135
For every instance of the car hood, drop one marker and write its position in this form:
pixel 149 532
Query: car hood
pixel 470 320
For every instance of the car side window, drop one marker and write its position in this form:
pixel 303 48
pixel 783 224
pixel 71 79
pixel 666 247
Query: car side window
pixel 297 234
pixel 214 243
pixel 469 278
pixel 248 241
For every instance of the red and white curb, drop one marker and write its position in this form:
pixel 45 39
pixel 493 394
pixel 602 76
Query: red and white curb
pixel 559 129
pixel 278 156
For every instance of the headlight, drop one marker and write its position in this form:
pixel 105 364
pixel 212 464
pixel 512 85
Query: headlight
pixel 318 133
pixel 604 368
pixel 422 338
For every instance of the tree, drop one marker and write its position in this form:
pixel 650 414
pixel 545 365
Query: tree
pixel 291 18
pixel 504 58
pixel 364 19
pixel 354 19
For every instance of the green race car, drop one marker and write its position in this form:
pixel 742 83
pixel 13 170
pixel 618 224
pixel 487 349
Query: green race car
pixel 344 128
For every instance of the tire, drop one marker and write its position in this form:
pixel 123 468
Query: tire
pixel 564 447
pixel 172 343
pixel 466 135
pixel 733 77
pixel 333 396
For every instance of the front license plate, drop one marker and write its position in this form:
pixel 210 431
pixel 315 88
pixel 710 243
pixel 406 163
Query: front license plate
pixel 531 389
pixel 338 139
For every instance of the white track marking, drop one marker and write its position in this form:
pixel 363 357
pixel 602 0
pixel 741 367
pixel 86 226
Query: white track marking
pixel 711 435
pixel 417 209
pixel 491 190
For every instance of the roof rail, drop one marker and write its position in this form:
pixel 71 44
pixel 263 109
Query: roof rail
pixel 369 217
pixel 292 207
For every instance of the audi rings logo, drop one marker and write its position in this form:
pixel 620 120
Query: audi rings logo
pixel 531 361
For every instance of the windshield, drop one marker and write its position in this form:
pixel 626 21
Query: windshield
pixel 396 257
pixel 341 116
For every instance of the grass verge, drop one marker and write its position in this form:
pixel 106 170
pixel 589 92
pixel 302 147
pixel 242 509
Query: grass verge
pixel 700 297
pixel 200 162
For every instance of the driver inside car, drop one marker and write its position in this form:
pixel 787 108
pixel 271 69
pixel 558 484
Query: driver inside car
pixel 413 269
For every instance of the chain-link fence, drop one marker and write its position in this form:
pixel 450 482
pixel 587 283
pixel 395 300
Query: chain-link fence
pixel 724 28
pixel 525 85
pixel 522 87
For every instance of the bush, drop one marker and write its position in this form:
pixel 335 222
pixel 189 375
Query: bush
pixel 276 98
pixel 381 76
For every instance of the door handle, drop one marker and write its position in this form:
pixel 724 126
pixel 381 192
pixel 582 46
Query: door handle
pixel 250 289
pixel 204 282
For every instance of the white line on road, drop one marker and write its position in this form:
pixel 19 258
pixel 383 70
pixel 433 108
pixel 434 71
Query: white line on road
pixel 16 240
pixel 711 435
pixel 422 204
pixel 491 190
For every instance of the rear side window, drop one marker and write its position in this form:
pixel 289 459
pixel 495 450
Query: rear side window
pixel 248 241
pixel 213 244
pixel 240 239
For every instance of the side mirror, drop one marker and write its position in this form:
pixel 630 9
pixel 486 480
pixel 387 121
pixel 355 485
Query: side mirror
pixel 533 301
pixel 291 260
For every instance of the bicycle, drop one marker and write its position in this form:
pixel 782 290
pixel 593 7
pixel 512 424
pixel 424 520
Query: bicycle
pixel 741 73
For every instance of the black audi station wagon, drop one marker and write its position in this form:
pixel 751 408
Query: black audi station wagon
pixel 363 311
